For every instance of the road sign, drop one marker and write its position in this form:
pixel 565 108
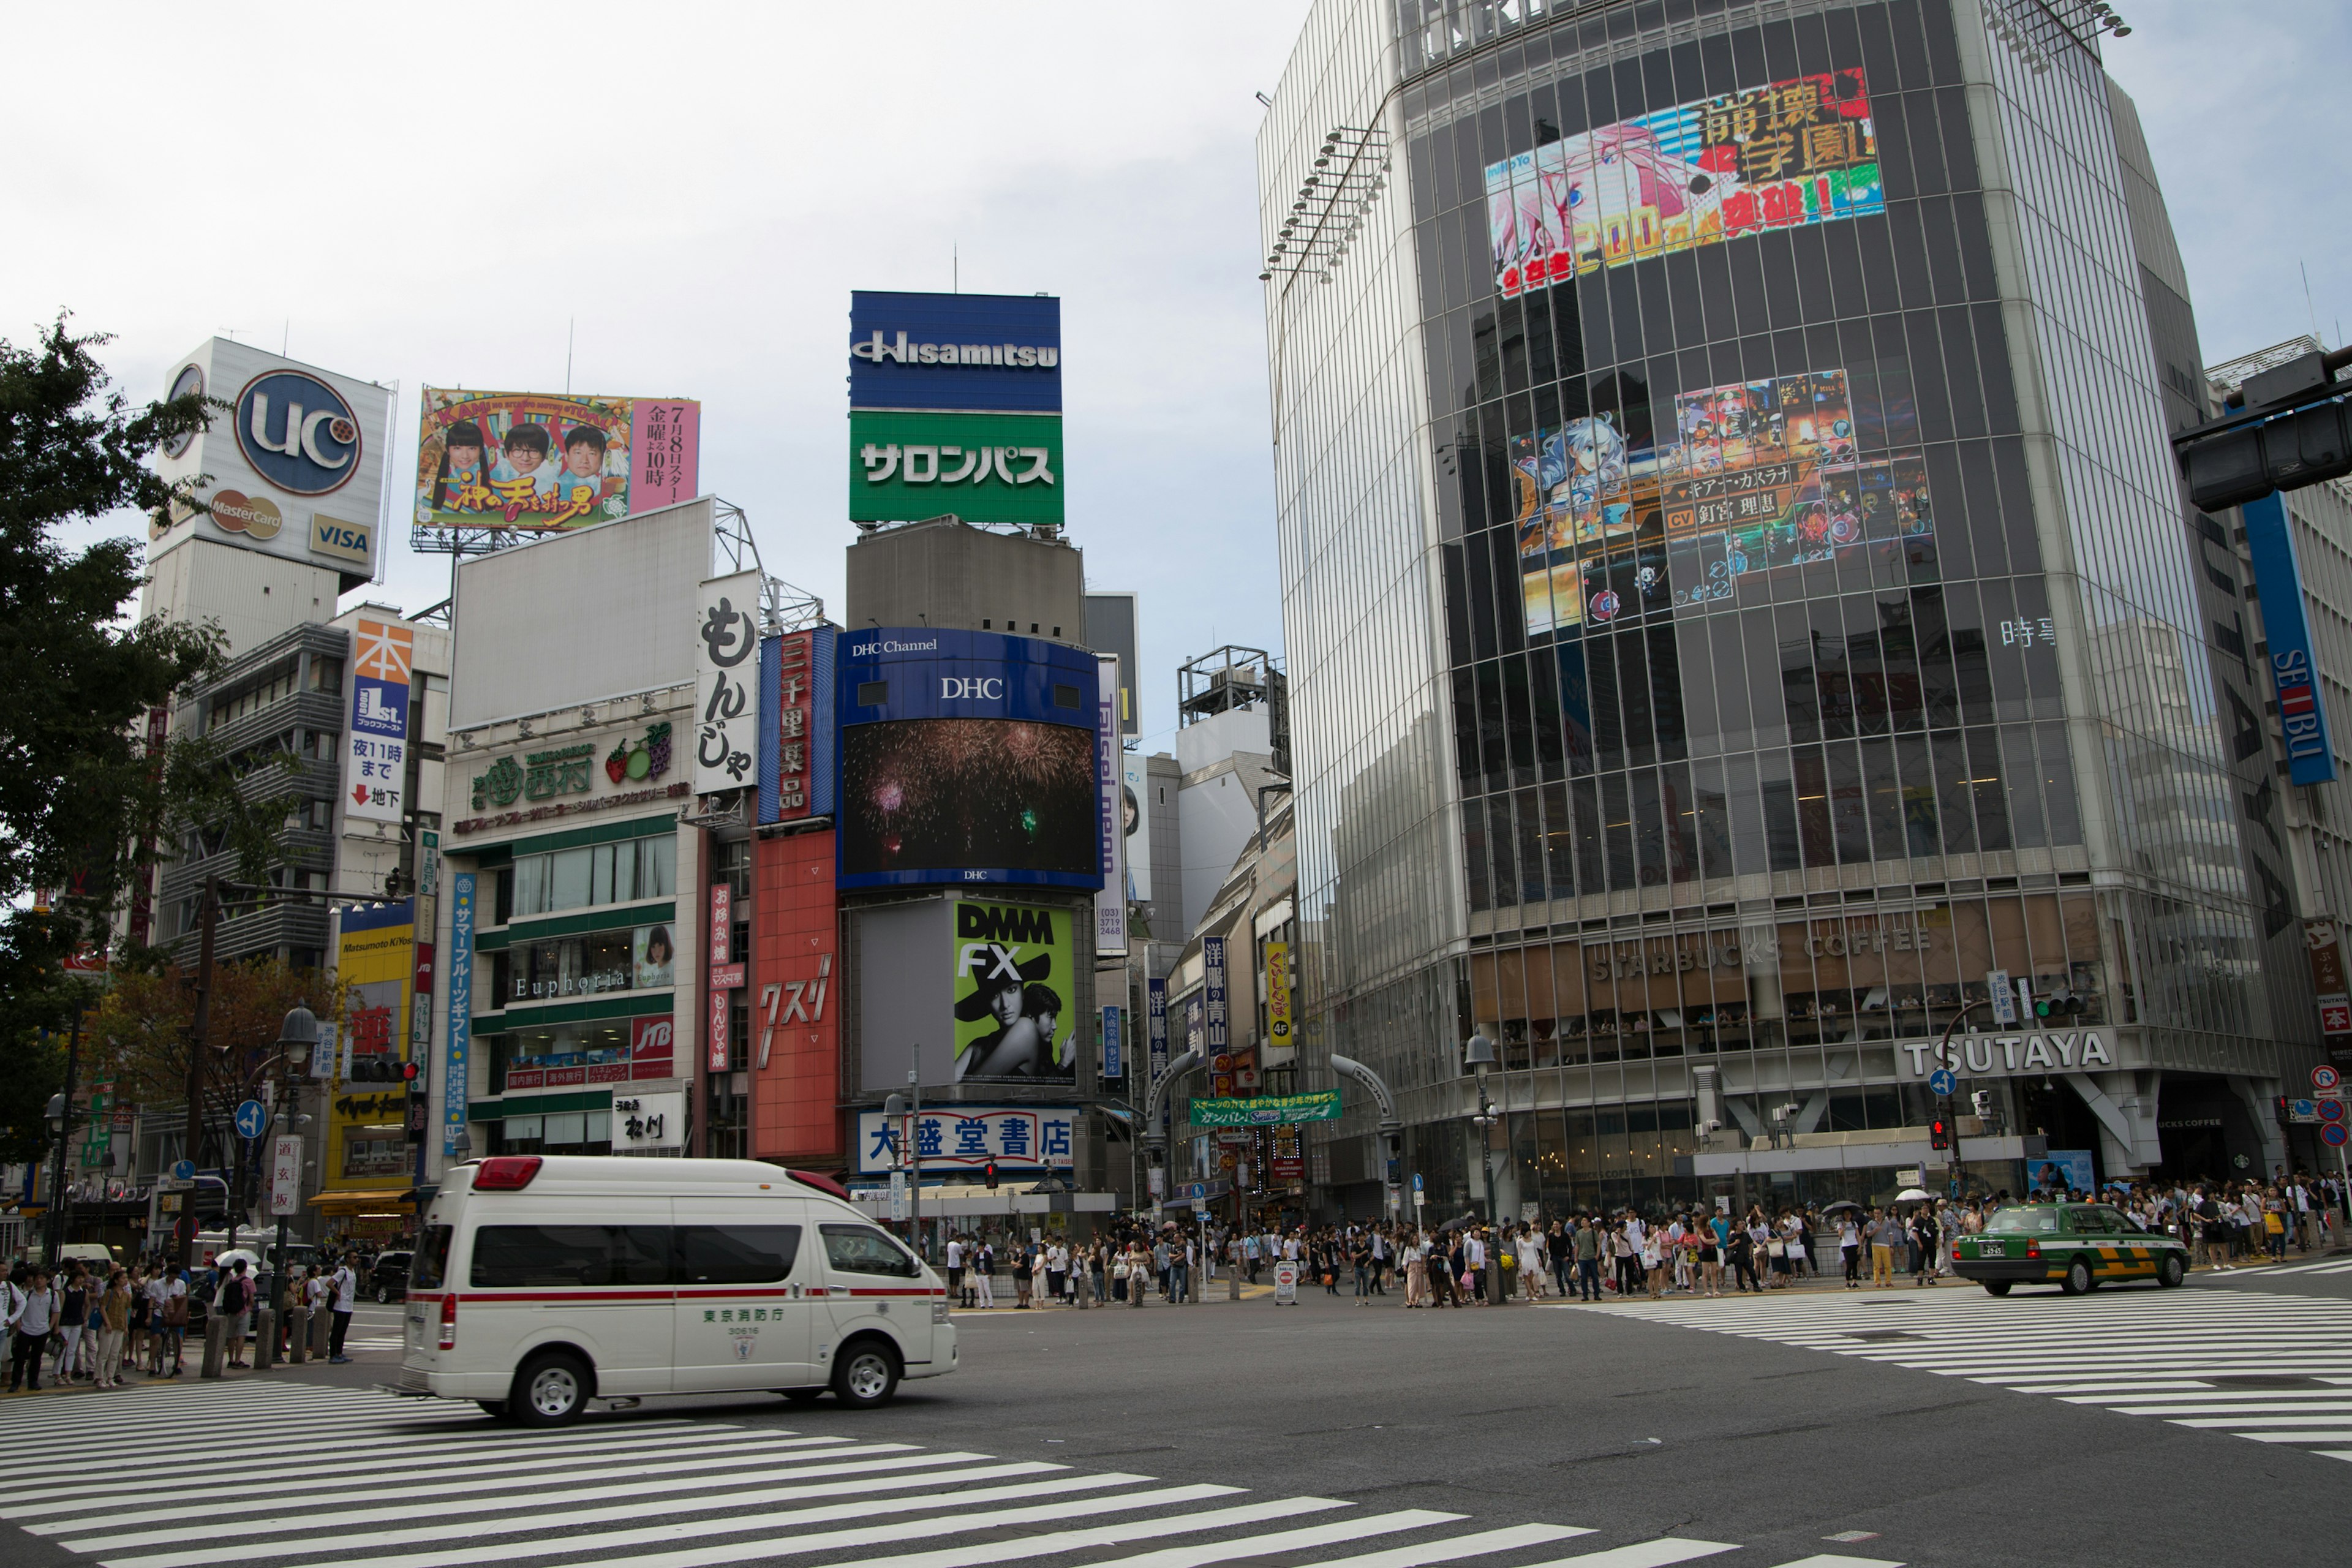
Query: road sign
pixel 286 1175
pixel 183 1171
pixel 2004 999
pixel 1416 1181
pixel 2302 1109
pixel 898 1204
pixel 2325 1077
pixel 1286 1282
pixel 1941 1083
pixel 2331 1111
pixel 251 1118
pixel 2333 1134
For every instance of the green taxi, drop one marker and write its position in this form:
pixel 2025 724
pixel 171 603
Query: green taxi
pixel 2078 1246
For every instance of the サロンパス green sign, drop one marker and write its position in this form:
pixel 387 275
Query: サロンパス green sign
pixel 983 467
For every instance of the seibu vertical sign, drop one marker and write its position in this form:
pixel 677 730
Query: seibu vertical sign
pixel 2286 630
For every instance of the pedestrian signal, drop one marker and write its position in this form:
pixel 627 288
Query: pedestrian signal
pixel 1939 1133
pixel 989 1171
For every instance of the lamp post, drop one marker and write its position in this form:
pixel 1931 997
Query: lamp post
pixel 1478 1056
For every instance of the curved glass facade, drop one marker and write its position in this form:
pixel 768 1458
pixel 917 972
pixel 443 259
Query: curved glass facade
pixel 1738 594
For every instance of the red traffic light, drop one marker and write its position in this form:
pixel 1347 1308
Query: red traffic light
pixel 411 1071
pixel 989 1171
pixel 1939 1133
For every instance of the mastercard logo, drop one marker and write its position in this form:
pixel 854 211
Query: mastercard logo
pixel 256 517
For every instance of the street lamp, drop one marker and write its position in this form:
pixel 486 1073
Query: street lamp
pixel 1478 1056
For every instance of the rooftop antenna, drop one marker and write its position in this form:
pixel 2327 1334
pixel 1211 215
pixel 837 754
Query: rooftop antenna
pixel 285 335
pixel 571 334
pixel 2313 310
pixel 955 271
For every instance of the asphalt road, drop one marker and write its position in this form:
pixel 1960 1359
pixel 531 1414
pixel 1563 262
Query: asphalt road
pixel 1925 1428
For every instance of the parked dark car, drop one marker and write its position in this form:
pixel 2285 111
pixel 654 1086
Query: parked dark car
pixel 388 1280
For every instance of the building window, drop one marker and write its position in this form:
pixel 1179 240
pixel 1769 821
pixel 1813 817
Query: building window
pixel 594 874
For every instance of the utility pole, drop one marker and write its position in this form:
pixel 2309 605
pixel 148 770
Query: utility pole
pixel 57 1225
pixel 199 1042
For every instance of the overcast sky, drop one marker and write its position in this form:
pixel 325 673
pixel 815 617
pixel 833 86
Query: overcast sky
pixel 407 198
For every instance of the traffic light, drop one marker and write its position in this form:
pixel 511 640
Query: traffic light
pixel 2060 1005
pixel 412 1074
pixel 1939 1133
pixel 989 1173
pixel 2288 427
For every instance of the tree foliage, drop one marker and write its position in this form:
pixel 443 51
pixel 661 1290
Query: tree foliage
pixel 141 1033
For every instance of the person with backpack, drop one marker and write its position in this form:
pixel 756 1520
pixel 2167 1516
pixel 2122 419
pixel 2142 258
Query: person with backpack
pixel 233 1301
pixel 346 1285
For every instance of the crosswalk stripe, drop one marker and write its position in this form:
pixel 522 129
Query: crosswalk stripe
pixel 1830 1560
pixel 465 1495
pixel 1300 1540
pixel 1643 1555
pixel 741 1524
pixel 974 1554
pixel 676 1502
pixel 168 1436
pixel 1452 1550
pixel 2178 1359
pixel 569 1521
pixel 149 1413
pixel 513 1450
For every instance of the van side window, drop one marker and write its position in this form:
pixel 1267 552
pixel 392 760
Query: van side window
pixel 432 1256
pixel 542 1255
pixel 862 1249
pixel 737 1255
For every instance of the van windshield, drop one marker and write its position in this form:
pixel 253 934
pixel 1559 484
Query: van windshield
pixel 432 1259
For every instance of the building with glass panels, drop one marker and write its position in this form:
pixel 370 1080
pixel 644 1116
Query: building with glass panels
pixel 1738 601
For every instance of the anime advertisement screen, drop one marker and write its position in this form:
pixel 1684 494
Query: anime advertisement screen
pixel 1016 1003
pixel 1782 155
pixel 543 461
pixel 1752 477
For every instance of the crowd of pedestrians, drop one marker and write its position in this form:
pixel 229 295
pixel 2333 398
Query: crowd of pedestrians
pixel 97 1325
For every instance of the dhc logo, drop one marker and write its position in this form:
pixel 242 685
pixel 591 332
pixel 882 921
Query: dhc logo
pixel 298 432
pixel 970 689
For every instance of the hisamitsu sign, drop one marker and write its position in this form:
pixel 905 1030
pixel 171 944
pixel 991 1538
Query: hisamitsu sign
pixel 1268 1110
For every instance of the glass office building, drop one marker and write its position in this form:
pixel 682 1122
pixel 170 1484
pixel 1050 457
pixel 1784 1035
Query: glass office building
pixel 1738 596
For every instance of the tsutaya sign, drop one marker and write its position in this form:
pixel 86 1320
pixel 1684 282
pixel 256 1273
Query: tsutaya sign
pixel 2002 1056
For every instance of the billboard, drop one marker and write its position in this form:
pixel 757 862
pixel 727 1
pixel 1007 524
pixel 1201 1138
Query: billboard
pixel 1110 904
pixel 727 684
pixel 457 1050
pixel 906 997
pixel 1135 825
pixel 295 468
pixel 798 726
pixel 1790 153
pixel 983 467
pixel 967 757
pixel 1617 520
pixel 367 1133
pixel 542 462
pixel 2286 632
pixel 1015 994
pixel 966 1137
pixel 1000 352
pixel 376 752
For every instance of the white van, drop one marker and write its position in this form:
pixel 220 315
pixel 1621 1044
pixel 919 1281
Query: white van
pixel 540 1282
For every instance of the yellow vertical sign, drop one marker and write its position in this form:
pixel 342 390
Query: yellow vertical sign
pixel 1277 994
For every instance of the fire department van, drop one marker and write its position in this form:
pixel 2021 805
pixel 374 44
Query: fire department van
pixel 541 1283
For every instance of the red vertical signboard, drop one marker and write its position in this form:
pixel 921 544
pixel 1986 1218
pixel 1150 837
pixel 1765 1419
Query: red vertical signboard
pixel 724 976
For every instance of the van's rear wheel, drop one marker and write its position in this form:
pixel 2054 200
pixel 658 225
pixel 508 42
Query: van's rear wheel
pixel 551 1390
pixel 866 1375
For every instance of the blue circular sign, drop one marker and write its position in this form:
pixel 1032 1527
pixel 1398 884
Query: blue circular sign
pixel 298 432
pixel 183 1171
pixel 251 1118
pixel 2333 1134
pixel 1941 1082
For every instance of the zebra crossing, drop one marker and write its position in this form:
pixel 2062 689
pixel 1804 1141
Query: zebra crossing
pixel 358 1479
pixel 2267 1368
pixel 2281 1271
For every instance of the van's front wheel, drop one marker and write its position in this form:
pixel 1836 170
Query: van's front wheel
pixel 866 1375
pixel 551 1390
pixel 801 1395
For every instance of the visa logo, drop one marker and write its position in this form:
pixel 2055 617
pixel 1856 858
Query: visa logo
pixel 350 541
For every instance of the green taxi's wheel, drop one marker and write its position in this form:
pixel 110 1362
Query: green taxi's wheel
pixel 2080 1281
pixel 2171 1271
pixel 1996 1287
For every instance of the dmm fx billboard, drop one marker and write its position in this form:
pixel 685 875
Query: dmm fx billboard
pixel 968 757
pixel 295 468
pixel 955 406
pixel 2294 678
pixel 367 1134
pixel 539 461
pixel 1015 993
pixel 376 752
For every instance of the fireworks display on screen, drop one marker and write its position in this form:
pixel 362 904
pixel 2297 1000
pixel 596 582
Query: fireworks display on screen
pixel 953 793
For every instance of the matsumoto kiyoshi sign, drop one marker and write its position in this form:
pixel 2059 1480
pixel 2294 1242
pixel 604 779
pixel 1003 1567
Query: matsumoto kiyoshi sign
pixel 2007 1055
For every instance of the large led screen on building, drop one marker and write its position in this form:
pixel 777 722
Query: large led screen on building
pixel 543 461
pixel 1752 477
pixel 967 757
pixel 1778 156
